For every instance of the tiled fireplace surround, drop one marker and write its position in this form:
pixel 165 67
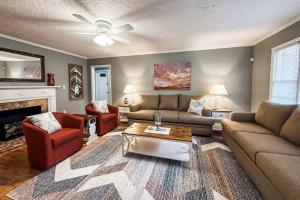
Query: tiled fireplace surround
pixel 20 97
pixel 13 97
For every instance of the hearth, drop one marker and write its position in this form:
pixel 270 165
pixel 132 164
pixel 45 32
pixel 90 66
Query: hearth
pixel 10 121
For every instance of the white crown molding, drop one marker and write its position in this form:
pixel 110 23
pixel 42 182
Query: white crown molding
pixel 39 45
pixel 277 30
pixel 174 51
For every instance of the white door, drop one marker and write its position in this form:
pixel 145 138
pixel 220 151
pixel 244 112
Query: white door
pixel 102 85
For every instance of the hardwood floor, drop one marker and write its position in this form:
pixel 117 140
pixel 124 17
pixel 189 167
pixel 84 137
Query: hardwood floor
pixel 14 170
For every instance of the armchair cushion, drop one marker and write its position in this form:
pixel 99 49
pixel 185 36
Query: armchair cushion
pixel 108 116
pixel 100 106
pixel 64 135
pixel 45 121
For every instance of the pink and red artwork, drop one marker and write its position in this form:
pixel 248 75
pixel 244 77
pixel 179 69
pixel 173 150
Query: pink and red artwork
pixel 173 75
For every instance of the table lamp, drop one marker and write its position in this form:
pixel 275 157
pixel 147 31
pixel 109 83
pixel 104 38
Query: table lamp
pixel 218 90
pixel 129 89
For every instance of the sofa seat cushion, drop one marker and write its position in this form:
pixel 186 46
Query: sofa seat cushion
pixel 253 143
pixel 232 127
pixel 108 116
pixel 64 135
pixel 142 115
pixel 272 115
pixel 283 172
pixel 169 115
pixel 190 118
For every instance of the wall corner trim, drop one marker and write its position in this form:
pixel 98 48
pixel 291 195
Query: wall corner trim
pixel 293 21
pixel 40 45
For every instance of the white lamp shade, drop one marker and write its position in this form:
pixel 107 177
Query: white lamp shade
pixel 218 89
pixel 129 89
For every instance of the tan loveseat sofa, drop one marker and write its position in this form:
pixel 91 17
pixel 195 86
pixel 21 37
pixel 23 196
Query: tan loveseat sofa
pixel 267 144
pixel 173 109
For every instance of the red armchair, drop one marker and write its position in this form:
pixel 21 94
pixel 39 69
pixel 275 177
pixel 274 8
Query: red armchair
pixel 44 149
pixel 105 121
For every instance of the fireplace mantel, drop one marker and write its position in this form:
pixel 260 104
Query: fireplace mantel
pixel 22 93
pixel 27 87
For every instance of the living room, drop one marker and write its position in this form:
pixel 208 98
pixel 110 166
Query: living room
pixel 149 100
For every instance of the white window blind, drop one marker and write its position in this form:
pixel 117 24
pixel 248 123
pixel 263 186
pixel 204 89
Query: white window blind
pixel 285 78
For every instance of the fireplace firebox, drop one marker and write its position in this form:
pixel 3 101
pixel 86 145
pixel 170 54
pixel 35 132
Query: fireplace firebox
pixel 10 121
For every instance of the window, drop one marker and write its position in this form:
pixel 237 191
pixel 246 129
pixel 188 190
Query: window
pixel 285 75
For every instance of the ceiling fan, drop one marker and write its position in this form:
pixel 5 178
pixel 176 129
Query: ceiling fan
pixel 105 31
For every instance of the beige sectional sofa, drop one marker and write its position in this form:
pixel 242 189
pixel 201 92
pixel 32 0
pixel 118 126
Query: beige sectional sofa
pixel 173 109
pixel 267 144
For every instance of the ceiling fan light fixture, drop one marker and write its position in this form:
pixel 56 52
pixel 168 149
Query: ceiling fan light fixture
pixel 103 40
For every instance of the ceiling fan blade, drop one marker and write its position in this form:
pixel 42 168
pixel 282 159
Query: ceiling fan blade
pixel 83 19
pixel 120 39
pixel 86 33
pixel 123 28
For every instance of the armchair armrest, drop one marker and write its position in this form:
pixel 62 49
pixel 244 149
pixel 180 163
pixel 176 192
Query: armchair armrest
pixel 243 116
pixel 38 144
pixel 71 121
pixel 112 109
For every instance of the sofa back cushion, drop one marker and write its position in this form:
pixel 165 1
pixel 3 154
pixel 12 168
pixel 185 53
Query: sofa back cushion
pixel 272 115
pixel 184 101
pixel 149 102
pixel 291 128
pixel 168 102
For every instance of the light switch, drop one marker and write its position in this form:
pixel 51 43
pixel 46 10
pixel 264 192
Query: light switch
pixel 64 87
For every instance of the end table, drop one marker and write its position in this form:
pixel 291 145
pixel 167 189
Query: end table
pixel 89 133
pixel 218 115
pixel 123 110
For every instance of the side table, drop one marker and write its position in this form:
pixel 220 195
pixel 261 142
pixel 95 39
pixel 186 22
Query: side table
pixel 89 133
pixel 218 115
pixel 123 110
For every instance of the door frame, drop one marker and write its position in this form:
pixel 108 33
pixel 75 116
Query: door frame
pixel 93 68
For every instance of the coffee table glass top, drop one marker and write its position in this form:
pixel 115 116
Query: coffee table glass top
pixel 179 133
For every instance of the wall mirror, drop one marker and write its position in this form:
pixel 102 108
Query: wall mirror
pixel 18 66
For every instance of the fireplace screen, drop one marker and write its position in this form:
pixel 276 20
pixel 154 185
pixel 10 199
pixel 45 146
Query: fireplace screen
pixel 11 121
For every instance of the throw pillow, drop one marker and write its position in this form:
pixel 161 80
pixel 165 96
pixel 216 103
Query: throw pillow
pixel 196 106
pixel 100 106
pixel 45 121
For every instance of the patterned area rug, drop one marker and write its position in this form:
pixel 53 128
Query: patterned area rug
pixel 6 146
pixel 99 171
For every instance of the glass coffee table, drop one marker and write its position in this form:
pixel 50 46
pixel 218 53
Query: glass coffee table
pixel 175 146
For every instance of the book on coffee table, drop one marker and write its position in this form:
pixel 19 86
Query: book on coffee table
pixel 161 130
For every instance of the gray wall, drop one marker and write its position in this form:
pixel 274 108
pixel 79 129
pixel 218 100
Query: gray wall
pixel 56 63
pixel 230 66
pixel 262 63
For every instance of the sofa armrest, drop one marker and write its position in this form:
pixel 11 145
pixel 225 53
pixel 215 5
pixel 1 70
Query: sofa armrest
pixel 135 108
pixel 207 113
pixel 243 116
pixel 112 109
pixel 72 121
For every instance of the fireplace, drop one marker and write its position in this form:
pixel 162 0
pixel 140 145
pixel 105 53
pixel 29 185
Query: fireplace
pixel 13 113
pixel 11 121
pixel 17 102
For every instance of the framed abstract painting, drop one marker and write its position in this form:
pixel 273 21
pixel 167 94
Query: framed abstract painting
pixel 172 75
pixel 75 82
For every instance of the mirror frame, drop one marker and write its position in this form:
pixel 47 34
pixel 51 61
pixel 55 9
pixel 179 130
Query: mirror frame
pixel 42 79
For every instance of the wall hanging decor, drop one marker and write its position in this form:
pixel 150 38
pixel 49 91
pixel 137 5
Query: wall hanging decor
pixel 75 82
pixel 172 75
